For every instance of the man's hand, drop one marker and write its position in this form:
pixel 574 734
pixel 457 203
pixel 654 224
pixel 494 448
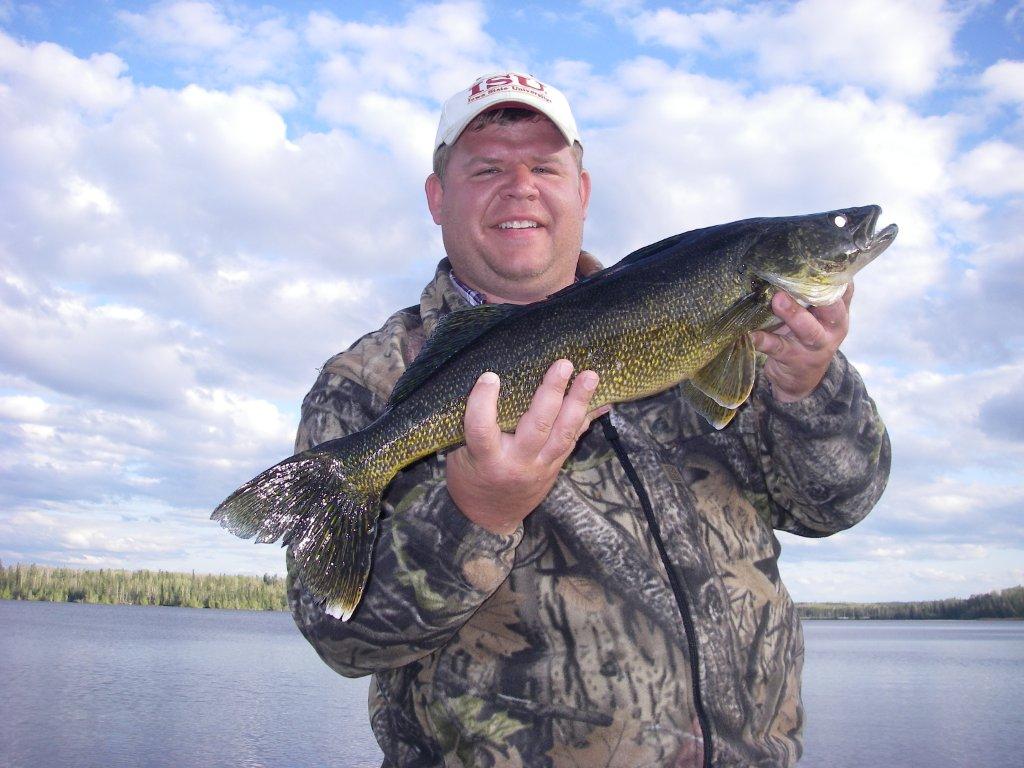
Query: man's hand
pixel 800 351
pixel 497 479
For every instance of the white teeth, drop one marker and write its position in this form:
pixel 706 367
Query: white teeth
pixel 517 225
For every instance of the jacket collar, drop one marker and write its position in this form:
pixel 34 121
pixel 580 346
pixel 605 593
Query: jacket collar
pixel 439 298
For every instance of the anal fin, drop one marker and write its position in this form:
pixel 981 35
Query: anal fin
pixel 717 415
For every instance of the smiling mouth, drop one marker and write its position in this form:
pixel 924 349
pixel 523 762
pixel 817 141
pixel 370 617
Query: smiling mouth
pixel 518 224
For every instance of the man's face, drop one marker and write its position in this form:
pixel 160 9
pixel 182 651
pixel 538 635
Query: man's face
pixel 511 210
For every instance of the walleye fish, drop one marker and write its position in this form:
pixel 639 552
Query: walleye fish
pixel 679 310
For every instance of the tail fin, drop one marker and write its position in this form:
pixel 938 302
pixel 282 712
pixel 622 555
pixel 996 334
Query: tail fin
pixel 312 502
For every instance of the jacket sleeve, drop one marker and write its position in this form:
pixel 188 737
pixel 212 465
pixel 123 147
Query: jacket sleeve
pixel 816 466
pixel 432 566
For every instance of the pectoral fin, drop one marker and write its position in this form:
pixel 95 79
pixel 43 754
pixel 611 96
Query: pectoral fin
pixel 745 314
pixel 717 415
pixel 729 377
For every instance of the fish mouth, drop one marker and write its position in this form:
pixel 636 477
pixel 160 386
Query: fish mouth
pixel 869 243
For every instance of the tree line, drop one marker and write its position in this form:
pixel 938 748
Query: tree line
pixel 112 586
pixel 267 593
pixel 1000 604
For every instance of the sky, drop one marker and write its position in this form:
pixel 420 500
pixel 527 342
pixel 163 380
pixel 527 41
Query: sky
pixel 201 202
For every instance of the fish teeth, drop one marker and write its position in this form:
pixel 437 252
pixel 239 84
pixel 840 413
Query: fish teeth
pixel 518 224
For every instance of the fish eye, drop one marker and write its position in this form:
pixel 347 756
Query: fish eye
pixel 839 220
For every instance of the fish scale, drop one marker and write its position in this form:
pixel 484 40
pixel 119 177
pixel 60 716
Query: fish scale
pixel 677 312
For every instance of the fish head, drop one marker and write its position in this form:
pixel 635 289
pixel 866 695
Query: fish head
pixel 814 257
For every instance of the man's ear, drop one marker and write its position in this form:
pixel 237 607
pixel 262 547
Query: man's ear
pixel 435 197
pixel 585 190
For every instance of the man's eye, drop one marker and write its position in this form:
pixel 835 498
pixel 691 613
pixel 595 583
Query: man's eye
pixel 486 171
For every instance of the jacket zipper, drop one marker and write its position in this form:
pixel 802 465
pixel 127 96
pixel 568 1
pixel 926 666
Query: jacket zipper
pixel 674 580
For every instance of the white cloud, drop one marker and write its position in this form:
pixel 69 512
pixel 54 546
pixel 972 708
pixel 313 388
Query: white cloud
pixel 268 50
pixel 88 198
pixel 404 57
pixel 898 47
pixel 684 31
pixel 991 169
pixel 241 123
pixel 45 73
pixel 1004 81
pixel 300 292
pixel 155 262
pixel 1001 416
pixel 230 42
pixel 131 533
pixel 886 580
pixel 22 407
pixel 387 80
pixel 870 543
pixel 188 25
pixel 175 268
pixel 236 419
pixel 973 323
pixel 276 96
pixel 87 350
pixel 176 186
pixel 936 416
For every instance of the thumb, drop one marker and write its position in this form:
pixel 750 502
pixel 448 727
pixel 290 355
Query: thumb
pixel 483 436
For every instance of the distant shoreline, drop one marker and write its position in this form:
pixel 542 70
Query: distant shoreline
pixel 107 586
pixel 267 593
pixel 998 604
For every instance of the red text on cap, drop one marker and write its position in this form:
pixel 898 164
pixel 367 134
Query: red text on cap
pixel 500 82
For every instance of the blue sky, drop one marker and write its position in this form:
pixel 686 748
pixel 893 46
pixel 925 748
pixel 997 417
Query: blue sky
pixel 201 202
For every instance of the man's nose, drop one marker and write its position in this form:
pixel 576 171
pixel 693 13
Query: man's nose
pixel 521 182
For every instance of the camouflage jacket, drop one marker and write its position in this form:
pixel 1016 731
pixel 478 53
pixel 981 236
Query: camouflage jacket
pixel 637 618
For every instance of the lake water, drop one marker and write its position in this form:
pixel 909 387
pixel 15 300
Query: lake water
pixel 96 685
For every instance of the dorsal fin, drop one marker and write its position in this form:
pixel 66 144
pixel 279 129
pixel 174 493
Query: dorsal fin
pixel 453 332
pixel 608 272
pixel 650 250
pixel 642 254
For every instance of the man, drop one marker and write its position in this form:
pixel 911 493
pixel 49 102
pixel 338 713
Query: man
pixel 584 594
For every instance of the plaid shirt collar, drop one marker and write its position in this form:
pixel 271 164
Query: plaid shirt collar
pixel 475 298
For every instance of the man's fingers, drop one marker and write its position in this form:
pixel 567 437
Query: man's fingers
pixel 805 327
pixel 549 428
pixel 799 353
pixel 536 424
pixel 591 416
pixel 771 344
pixel 571 420
pixel 483 436
pixel 835 317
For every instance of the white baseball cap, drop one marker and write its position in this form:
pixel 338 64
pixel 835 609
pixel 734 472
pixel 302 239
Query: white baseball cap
pixel 501 89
